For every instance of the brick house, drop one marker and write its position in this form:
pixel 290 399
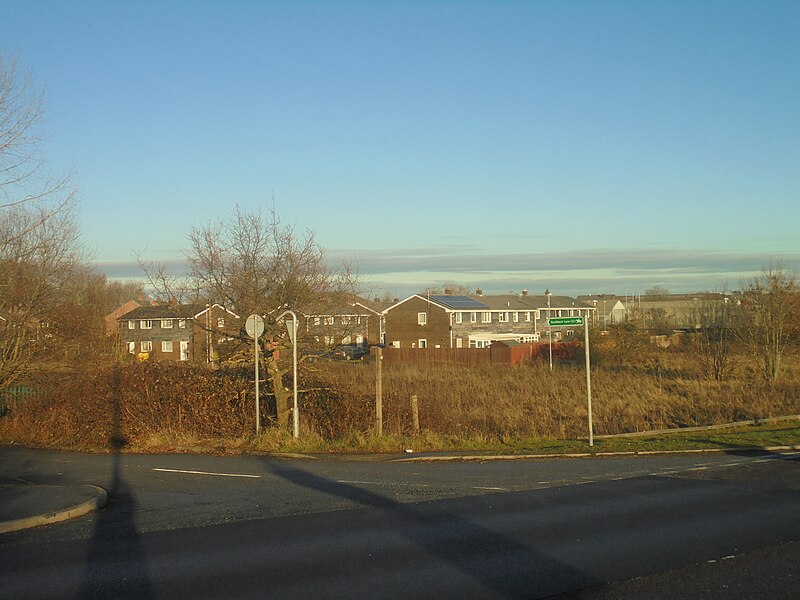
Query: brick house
pixel 343 321
pixel 475 321
pixel 178 332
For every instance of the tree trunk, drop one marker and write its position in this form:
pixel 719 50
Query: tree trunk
pixel 283 396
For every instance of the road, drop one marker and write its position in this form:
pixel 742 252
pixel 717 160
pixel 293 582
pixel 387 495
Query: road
pixel 200 526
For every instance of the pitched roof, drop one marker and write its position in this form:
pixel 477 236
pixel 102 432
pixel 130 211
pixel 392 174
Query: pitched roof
pixel 459 302
pixel 164 311
pixel 170 311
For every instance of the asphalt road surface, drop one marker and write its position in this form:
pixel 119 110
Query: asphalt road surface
pixel 694 525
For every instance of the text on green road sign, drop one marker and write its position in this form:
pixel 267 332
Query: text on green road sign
pixel 556 321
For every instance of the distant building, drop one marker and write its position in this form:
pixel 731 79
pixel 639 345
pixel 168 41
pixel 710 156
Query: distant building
pixel 476 320
pixel 178 332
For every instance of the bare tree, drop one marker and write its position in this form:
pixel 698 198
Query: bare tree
pixel 254 263
pixel 770 311
pixel 39 245
pixel 716 338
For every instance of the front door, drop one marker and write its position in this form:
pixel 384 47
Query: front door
pixel 184 350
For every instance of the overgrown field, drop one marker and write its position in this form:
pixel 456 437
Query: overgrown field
pixel 151 406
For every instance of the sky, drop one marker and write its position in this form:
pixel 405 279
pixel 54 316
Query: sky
pixel 579 146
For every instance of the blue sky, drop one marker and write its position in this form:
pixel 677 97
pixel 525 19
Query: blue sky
pixel 585 147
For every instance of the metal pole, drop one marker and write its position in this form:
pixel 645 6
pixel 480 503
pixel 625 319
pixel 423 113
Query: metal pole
pixel 295 411
pixel 258 406
pixel 588 379
pixel 379 392
pixel 293 336
pixel 549 329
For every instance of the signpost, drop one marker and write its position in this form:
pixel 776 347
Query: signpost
pixel 561 321
pixel 292 331
pixel 254 326
pixel 565 321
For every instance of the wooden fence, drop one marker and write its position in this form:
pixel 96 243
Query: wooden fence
pixel 498 353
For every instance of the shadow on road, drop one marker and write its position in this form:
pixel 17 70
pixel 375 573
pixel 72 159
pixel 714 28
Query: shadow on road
pixel 116 566
pixel 508 568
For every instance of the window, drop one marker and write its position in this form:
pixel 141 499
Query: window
pixel 359 339
pixel 473 317
pixel 422 343
pixel 459 342
pixel 528 317
pixel 132 346
pixel 181 323
pixel 328 340
pixel 220 323
pixel 328 320
pixel 166 346
pixel 479 343
pixel 131 324
pixel 145 324
pixel 486 317
pixel 502 317
pixel 515 316
pixel 459 317
pixel 166 323
pixel 345 320
pixel 422 318
pixel 146 346
pixel 317 320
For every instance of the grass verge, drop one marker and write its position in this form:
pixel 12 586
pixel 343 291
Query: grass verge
pixel 275 441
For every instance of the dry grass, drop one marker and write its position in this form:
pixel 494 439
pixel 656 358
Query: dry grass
pixel 161 408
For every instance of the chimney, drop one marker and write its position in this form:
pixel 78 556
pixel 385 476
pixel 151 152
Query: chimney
pixel 448 292
pixel 479 292
pixel 524 292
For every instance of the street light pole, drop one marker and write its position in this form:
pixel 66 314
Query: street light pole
pixel 548 293
pixel 293 336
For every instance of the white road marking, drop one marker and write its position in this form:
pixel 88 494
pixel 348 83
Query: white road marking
pixel 494 489
pixel 208 473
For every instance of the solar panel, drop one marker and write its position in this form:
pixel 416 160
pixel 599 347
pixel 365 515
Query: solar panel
pixel 464 302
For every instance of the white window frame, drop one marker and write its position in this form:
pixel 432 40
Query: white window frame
pixel 328 320
pixel 146 346
pixel 131 324
pixel 220 322
pixel 422 318
pixel 166 323
pixel 345 319
pixel 166 346
pixel 459 318
pixel 486 317
pixel 473 317
pixel 515 316
pixel 422 343
pixel 132 347
pixel 502 317
pixel 145 324
pixel 527 316
pixel 181 323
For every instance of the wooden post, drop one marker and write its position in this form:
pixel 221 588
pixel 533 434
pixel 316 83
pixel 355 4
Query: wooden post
pixel 415 413
pixel 378 392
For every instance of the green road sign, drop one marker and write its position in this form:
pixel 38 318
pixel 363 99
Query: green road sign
pixel 555 322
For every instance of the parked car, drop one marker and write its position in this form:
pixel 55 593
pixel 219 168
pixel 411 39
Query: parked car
pixel 350 352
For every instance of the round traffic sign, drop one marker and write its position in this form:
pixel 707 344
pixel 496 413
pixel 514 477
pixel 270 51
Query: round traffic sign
pixel 254 326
